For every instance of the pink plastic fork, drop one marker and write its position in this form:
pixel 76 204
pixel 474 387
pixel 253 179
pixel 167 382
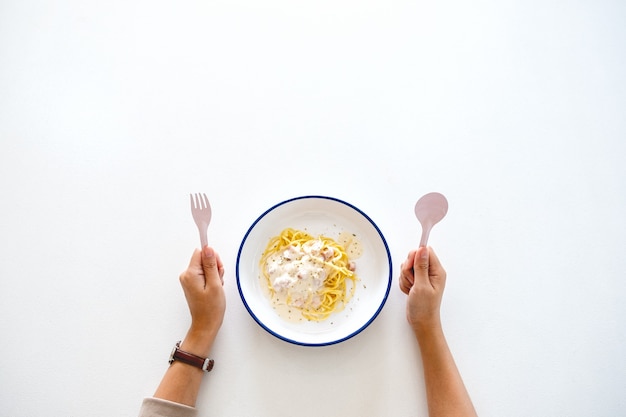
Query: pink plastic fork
pixel 201 212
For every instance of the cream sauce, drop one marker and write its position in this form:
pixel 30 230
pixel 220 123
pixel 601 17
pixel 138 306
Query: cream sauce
pixel 297 274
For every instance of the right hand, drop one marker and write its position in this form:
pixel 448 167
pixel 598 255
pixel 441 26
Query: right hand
pixel 423 279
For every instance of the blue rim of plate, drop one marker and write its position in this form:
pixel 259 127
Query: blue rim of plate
pixel 332 342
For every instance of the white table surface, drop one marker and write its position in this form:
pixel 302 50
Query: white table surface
pixel 112 112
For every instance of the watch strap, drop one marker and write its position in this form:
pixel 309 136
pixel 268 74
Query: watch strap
pixel 205 364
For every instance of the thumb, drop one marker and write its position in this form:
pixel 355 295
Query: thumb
pixel 420 265
pixel 210 265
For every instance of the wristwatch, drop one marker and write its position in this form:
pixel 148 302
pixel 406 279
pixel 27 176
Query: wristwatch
pixel 205 364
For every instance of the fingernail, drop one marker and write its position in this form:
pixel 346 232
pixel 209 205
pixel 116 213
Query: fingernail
pixel 208 252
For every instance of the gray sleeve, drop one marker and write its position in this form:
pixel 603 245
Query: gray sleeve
pixel 156 407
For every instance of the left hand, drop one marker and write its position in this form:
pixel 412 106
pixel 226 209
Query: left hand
pixel 202 284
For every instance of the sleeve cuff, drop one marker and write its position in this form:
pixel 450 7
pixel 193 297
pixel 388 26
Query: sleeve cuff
pixel 156 407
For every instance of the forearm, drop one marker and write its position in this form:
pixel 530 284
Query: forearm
pixel 181 382
pixel 445 391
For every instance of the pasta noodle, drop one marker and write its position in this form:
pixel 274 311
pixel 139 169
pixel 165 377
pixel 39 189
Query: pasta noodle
pixel 311 274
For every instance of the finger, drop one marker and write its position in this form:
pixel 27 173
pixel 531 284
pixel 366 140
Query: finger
pixel 420 265
pixel 210 265
pixel 405 282
pixel 196 260
pixel 434 262
pixel 435 269
pixel 220 267
pixel 193 274
pixel 405 285
pixel 407 267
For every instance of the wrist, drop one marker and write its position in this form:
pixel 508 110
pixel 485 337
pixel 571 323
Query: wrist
pixel 181 356
pixel 426 329
pixel 198 342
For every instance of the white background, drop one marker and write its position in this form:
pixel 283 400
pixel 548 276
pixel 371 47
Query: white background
pixel 112 112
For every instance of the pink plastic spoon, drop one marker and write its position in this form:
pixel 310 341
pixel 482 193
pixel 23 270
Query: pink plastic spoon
pixel 429 210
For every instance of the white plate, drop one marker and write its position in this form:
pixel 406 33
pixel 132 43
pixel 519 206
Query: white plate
pixel 317 215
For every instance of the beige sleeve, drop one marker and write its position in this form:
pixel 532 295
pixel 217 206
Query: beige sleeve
pixel 156 407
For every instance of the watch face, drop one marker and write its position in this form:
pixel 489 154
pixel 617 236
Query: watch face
pixel 171 359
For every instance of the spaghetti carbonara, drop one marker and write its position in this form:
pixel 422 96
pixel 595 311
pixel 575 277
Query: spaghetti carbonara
pixel 312 275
